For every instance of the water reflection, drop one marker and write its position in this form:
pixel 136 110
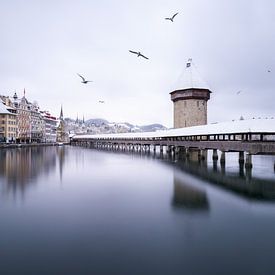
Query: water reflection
pixel 241 182
pixel 188 196
pixel 131 214
pixel 21 167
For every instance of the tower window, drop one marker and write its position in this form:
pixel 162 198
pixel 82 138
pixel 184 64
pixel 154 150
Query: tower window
pixel 198 103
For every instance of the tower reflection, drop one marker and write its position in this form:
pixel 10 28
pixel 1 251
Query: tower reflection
pixel 188 196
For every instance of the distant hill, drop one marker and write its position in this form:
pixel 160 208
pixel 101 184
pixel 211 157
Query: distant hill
pixel 100 125
pixel 143 128
pixel 96 121
pixel 152 127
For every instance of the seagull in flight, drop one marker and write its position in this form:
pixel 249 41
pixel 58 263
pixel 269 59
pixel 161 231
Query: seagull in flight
pixel 138 54
pixel 239 92
pixel 172 18
pixel 101 101
pixel 84 81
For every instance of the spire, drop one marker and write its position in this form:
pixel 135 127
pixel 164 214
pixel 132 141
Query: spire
pixel 83 120
pixel 61 113
pixel 188 64
pixel 76 118
pixel 24 92
pixel 190 78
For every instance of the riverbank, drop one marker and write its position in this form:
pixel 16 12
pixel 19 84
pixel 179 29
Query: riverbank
pixel 21 145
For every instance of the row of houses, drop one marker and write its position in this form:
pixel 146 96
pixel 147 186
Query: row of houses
pixel 22 121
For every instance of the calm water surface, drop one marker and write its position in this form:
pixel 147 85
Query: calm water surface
pixel 69 210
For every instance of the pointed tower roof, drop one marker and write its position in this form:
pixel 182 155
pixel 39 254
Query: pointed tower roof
pixel 190 78
pixel 61 113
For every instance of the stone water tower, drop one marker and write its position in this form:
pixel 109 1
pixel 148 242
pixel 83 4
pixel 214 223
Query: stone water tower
pixel 190 97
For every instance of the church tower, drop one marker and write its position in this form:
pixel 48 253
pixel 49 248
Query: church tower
pixel 61 114
pixel 190 98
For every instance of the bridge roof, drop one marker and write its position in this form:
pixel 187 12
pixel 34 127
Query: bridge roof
pixel 190 78
pixel 231 127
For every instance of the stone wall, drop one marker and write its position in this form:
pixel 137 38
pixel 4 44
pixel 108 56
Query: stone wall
pixel 190 112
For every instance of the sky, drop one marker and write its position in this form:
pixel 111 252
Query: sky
pixel 45 44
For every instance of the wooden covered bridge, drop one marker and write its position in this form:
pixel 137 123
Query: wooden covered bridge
pixel 248 137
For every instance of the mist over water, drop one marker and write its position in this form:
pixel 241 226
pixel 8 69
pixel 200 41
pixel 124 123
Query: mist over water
pixel 71 210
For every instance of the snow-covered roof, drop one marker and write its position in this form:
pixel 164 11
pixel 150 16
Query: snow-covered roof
pixel 230 127
pixel 190 78
pixel 3 108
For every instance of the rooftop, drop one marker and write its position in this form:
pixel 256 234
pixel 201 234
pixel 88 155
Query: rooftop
pixel 190 78
pixel 238 126
pixel 3 109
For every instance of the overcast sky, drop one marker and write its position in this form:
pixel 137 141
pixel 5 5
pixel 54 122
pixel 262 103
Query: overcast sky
pixel 44 44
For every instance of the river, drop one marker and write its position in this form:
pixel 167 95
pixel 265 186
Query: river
pixel 71 210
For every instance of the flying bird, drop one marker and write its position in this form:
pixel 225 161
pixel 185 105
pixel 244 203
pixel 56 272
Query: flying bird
pixel 101 101
pixel 84 81
pixel 138 54
pixel 172 18
pixel 269 71
pixel 239 92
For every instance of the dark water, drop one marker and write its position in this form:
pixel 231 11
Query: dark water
pixel 68 210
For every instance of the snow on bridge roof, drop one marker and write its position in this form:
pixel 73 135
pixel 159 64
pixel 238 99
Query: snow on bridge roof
pixel 232 127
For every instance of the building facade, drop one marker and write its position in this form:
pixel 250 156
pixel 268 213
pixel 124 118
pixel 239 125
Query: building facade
pixel 23 122
pixel 190 97
pixel 8 125
pixel 49 127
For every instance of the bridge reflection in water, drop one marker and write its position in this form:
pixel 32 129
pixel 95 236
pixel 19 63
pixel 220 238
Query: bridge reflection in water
pixel 20 168
pixel 241 180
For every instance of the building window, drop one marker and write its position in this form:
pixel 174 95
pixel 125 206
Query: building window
pixel 198 103
pixel 184 103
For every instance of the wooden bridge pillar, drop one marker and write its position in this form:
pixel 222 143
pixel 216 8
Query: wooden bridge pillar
pixel 215 165
pixel 241 157
pixel 194 154
pixel 241 169
pixel 199 155
pixel 182 152
pixel 222 159
pixel 177 150
pixel 203 154
pixel 215 154
pixel 173 150
pixel 222 162
pixel 187 152
pixel 248 161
